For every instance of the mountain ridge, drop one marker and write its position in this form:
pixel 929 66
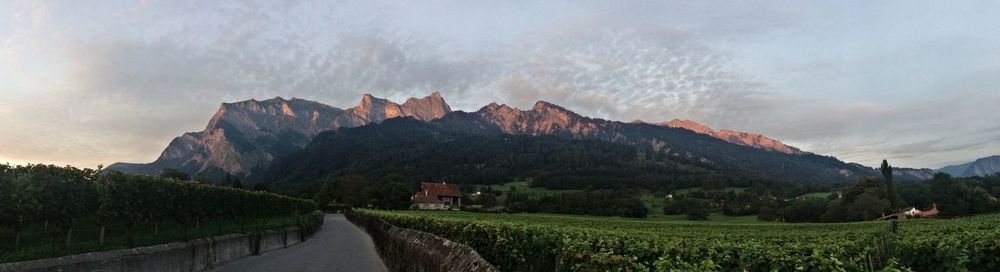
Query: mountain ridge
pixel 979 167
pixel 245 136
pixel 736 137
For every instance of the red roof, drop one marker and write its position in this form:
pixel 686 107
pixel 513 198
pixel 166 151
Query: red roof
pixel 430 191
pixel 933 212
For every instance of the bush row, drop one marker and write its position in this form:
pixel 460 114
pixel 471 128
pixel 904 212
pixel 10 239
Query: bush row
pixel 63 195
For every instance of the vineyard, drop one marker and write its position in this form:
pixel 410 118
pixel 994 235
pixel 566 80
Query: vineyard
pixel 50 211
pixel 540 242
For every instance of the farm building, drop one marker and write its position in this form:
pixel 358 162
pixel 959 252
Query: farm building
pixel 437 196
pixel 933 212
pixel 911 212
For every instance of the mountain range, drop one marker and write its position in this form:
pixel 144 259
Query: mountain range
pixel 246 138
pixel 980 167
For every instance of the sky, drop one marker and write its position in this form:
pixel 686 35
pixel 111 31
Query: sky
pixel 89 83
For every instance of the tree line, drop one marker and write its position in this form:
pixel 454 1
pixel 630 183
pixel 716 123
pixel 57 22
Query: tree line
pixel 867 198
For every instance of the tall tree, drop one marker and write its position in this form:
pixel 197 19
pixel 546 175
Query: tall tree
pixel 891 185
pixel 392 192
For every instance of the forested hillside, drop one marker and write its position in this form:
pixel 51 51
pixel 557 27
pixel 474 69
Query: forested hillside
pixel 463 148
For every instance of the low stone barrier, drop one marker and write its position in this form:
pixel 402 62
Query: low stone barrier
pixel 412 250
pixel 194 255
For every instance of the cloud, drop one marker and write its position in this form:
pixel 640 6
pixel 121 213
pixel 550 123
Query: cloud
pixel 120 86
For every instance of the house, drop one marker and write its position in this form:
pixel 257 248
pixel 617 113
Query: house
pixel 437 196
pixel 911 212
pixel 933 212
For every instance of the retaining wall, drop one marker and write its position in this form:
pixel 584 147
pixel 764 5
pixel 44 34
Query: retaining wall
pixel 194 255
pixel 412 250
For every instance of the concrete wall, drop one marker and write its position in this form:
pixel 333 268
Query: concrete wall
pixel 412 250
pixel 194 255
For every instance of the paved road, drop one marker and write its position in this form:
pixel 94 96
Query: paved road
pixel 338 246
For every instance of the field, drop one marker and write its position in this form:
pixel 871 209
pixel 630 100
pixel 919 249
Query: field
pixel 545 242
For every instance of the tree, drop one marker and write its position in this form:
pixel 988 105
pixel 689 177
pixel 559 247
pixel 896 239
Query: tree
pixel 809 209
pixel 891 186
pixel 956 197
pixel 173 173
pixel 392 193
pixel 699 212
pixel 227 180
pixel 866 206
pixel 237 183
pixel 353 190
pixel 694 208
pixel 326 193
pixel 259 187
pixel 201 178
pixel 18 203
pixel 739 204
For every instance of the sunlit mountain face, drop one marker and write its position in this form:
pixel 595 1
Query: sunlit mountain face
pixel 244 137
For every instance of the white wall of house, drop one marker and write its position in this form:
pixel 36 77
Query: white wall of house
pixel 430 206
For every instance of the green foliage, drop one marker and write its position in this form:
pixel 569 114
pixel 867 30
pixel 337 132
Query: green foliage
pixel 807 209
pixel 698 212
pixel 523 242
pixel 527 242
pixel 886 170
pixel 600 202
pixel 954 196
pixel 173 173
pixel 693 208
pixel 61 195
pixel 734 203
pixel 392 193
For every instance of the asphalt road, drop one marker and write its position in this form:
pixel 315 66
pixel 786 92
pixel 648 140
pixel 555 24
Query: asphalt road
pixel 338 246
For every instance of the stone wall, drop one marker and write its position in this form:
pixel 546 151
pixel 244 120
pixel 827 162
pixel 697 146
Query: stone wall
pixel 194 255
pixel 412 250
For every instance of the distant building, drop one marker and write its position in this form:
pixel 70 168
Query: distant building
pixel 933 212
pixel 911 212
pixel 437 196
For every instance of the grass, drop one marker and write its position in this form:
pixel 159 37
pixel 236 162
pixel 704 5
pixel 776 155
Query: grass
pixel 39 241
pixel 819 195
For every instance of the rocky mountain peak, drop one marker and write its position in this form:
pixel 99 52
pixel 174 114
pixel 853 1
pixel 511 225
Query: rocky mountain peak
pixel 736 137
pixel 690 125
pixel 374 109
pixel 427 108
pixel 247 135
